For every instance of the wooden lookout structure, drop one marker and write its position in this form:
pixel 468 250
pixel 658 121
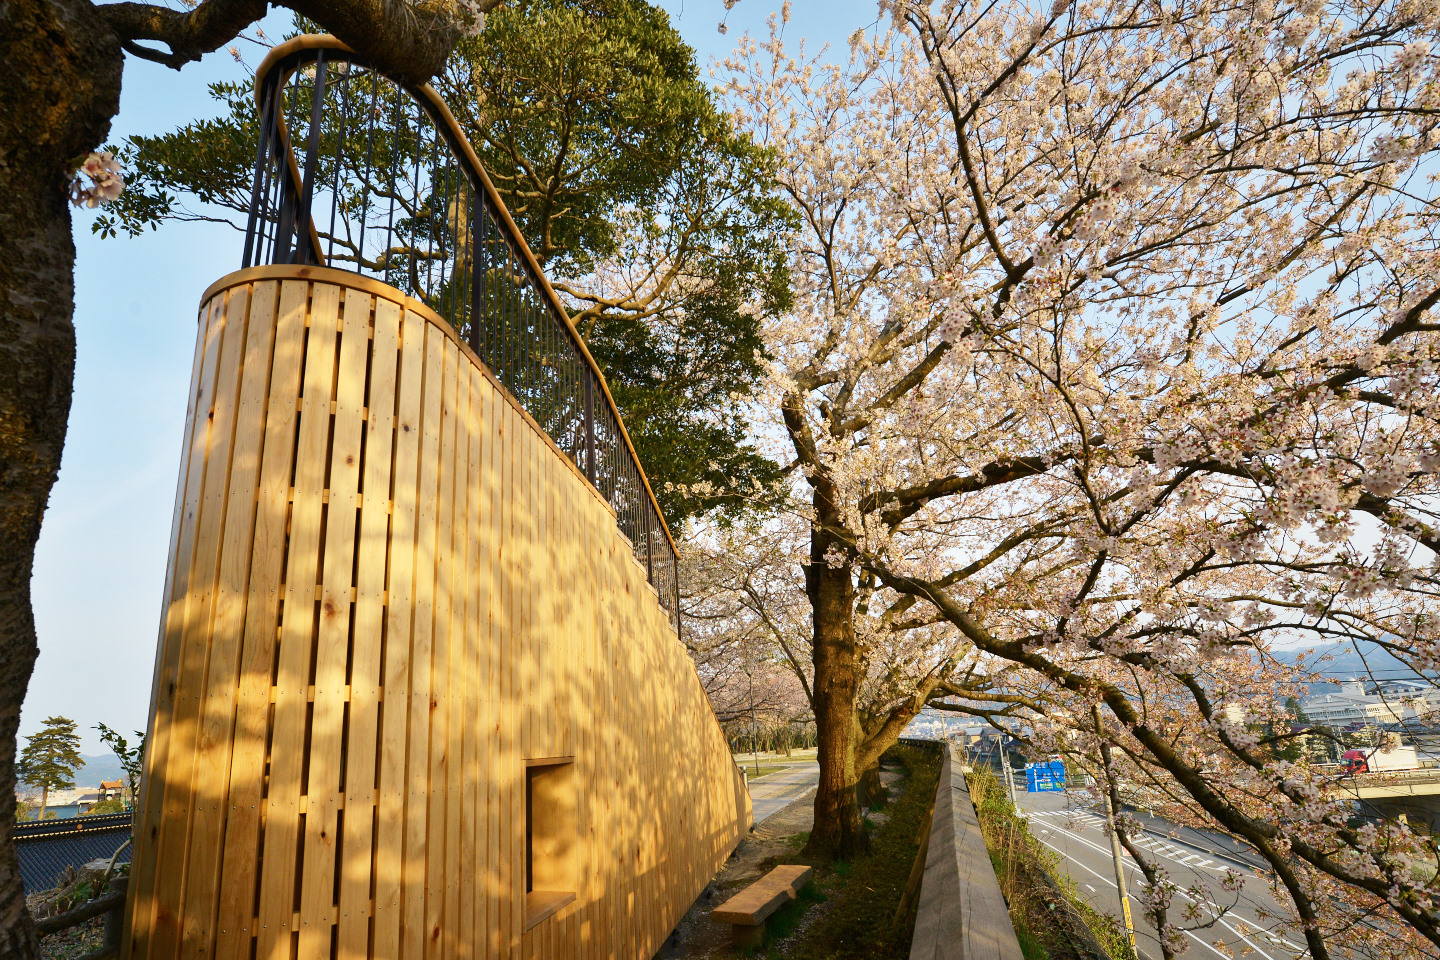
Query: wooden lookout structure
pixel 419 691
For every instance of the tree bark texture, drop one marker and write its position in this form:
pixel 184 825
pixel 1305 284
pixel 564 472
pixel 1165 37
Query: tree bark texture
pixel 59 89
pixel 839 830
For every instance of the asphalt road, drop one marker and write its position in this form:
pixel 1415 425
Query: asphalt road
pixel 773 792
pixel 1251 927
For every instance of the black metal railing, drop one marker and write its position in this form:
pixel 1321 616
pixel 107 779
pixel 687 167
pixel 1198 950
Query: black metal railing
pixel 357 172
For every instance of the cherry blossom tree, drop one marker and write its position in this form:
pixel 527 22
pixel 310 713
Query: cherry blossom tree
pixel 63 64
pixel 1111 367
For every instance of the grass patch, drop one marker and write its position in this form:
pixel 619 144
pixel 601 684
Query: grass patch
pixel 861 895
pixel 783 922
pixel 1030 948
pixel 764 771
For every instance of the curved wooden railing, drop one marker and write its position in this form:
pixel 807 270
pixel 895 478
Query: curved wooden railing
pixel 410 204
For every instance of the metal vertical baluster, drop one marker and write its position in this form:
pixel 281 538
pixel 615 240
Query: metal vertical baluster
pixel 452 263
pixel 436 244
pixel 476 222
pixel 415 227
pixel 288 192
pixel 589 379
pixel 304 252
pixel 675 572
pixel 369 170
pixel 504 323
pixel 262 156
pixel 487 290
pixel 339 162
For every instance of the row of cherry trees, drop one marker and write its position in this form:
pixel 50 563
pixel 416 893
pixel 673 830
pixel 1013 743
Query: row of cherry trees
pixel 1111 370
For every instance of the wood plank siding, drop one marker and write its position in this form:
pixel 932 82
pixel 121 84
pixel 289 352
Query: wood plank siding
pixel 393 606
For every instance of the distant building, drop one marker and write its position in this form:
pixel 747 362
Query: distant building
pixel 113 790
pixel 1352 705
pixel 943 725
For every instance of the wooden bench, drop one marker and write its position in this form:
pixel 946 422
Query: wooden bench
pixel 747 911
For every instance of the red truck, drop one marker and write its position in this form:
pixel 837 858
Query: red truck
pixel 1380 760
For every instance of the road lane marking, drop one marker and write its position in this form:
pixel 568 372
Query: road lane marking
pixel 1219 919
pixel 1188 858
pixel 1111 884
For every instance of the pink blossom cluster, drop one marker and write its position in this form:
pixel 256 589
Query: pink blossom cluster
pixel 106 182
pixel 470 17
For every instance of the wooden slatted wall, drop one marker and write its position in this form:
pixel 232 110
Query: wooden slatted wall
pixel 387 591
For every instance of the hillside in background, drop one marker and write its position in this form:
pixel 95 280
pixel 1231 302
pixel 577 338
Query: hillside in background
pixel 1348 661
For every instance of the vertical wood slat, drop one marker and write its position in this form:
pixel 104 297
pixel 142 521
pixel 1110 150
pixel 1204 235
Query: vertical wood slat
pixel 281 860
pixel 492 588
pixel 140 905
pixel 180 797
pixel 239 855
pixel 223 678
pixel 158 831
pixel 422 705
pixel 472 924
pixel 388 590
pixel 332 642
pixel 362 751
pixel 392 859
pixel 442 828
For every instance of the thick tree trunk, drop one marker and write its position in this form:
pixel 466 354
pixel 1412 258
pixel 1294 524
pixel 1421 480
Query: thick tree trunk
pixel 872 790
pixel 44 801
pixel 839 830
pixel 60 87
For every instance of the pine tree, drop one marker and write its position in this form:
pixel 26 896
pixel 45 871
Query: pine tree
pixel 50 758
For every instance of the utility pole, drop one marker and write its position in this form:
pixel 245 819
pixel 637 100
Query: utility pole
pixel 1114 835
pixel 1009 773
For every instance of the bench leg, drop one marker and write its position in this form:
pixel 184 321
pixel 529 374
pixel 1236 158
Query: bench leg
pixel 747 935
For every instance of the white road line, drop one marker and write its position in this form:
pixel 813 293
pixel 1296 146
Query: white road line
pixel 1206 943
pixel 1221 920
pixel 1184 857
pixel 1111 885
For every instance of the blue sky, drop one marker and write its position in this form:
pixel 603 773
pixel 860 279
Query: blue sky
pixel 100 566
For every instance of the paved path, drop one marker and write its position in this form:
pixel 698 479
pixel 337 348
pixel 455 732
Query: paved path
pixel 771 794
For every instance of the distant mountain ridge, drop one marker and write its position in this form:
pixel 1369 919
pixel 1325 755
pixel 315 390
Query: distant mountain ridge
pixel 1349 661
pixel 98 769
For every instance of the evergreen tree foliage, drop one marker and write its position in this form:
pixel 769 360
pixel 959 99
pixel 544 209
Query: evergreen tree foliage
pixel 50 758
